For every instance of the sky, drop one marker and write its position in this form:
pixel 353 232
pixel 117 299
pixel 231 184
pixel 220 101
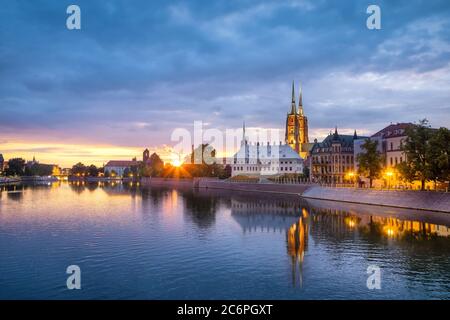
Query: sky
pixel 138 70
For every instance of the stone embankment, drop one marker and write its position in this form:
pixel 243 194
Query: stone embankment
pixel 421 200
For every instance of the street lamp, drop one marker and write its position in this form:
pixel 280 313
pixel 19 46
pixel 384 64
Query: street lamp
pixel 351 176
pixel 389 174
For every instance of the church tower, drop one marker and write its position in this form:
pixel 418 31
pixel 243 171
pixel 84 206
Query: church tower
pixel 302 122
pixel 291 135
pixel 297 127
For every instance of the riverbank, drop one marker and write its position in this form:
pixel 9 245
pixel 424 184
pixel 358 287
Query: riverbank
pixel 6 180
pixel 25 179
pixel 417 200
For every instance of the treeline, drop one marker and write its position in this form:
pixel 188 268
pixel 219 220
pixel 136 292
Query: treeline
pixel 80 169
pixel 201 162
pixel 18 167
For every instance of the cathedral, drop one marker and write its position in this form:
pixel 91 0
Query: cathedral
pixel 297 128
pixel 264 159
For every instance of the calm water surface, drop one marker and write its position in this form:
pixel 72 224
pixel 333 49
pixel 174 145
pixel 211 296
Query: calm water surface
pixel 160 243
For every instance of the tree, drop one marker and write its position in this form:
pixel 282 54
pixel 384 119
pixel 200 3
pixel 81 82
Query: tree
pixel 156 165
pixel 37 169
pixel 92 171
pixel 417 151
pixel 203 154
pixel 79 169
pixel 126 173
pixel 16 167
pixel 370 161
pixel 306 172
pixel 439 155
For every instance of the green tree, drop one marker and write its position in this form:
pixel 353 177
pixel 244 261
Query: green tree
pixel 37 169
pixel 306 172
pixel 79 169
pixel 370 161
pixel 417 151
pixel 126 173
pixel 439 155
pixel 92 171
pixel 16 167
pixel 156 165
pixel 203 154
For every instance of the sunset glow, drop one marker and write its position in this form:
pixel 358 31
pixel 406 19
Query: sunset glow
pixel 66 155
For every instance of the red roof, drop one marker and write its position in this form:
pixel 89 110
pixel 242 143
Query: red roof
pixel 121 163
pixel 393 130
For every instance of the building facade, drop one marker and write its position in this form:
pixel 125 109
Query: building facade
pixel 118 167
pixel 332 160
pixel 296 133
pixel 258 159
pixel 2 163
pixel 391 140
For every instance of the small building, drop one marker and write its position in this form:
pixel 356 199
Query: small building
pixel 117 167
pixel 332 160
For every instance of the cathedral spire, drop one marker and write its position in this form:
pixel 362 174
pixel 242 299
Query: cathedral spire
pixel 243 133
pixel 293 107
pixel 300 101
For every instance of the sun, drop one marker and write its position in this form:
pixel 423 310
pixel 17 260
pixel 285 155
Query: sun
pixel 176 163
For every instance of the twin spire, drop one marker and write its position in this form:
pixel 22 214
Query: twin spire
pixel 300 102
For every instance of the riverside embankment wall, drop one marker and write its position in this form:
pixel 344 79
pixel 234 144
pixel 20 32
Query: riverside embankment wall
pixel 297 189
pixel 422 200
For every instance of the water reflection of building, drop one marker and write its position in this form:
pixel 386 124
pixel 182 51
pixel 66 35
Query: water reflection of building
pixel 297 240
pixel 265 215
pixel 277 215
pixel 339 222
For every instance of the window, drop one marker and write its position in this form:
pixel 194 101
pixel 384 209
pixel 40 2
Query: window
pixel 290 168
pixel 392 146
pixel 391 161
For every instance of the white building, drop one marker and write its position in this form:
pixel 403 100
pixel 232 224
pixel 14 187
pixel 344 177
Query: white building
pixel 256 159
pixel 117 167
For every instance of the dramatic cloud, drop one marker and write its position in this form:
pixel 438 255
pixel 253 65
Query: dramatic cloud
pixel 136 71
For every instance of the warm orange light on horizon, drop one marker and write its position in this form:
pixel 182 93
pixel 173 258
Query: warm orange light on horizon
pixel 176 163
pixel 66 155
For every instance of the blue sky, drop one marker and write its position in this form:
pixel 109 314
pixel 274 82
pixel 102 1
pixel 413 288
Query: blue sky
pixel 139 69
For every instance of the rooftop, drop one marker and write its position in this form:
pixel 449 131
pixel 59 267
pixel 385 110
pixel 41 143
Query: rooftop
pixel 122 163
pixel 393 130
